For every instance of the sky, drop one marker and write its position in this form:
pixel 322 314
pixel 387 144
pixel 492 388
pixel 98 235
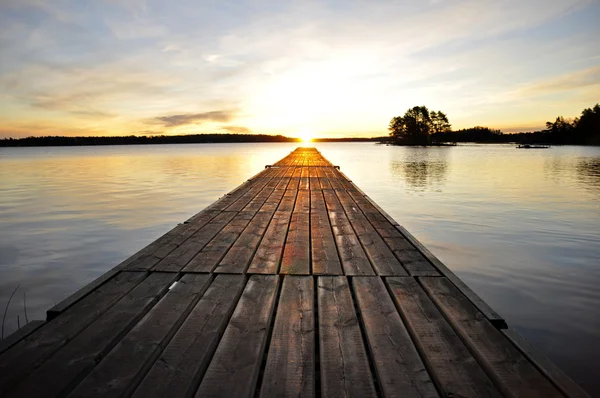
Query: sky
pixel 297 68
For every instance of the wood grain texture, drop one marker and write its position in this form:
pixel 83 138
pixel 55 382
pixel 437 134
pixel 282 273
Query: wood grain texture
pixel 239 255
pixel 400 370
pixel 181 366
pixel 208 258
pixel 20 360
pixel 178 258
pixel 450 363
pixel 269 252
pixel 290 368
pixel 234 369
pixel 344 364
pixel 508 368
pixel 65 369
pixel 123 368
pixel 324 253
pixel 296 252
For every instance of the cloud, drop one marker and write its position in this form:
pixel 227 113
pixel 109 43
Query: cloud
pixel 221 116
pixel 565 82
pixel 237 129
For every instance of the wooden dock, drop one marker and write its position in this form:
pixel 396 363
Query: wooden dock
pixel 294 284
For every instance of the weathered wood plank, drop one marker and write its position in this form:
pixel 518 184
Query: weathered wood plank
pixel 508 368
pixel 60 373
pixel 296 252
pixel 400 370
pixel 412 260
pixel 123 368
pixel 450 363
pixel 270 250
pixel 353 257
pixel 344 364
pixel 18 361
pixel 181 366
pixel 234 369
pixel 302 204
pixel 290 368
pixel 19 335
pixel 208 258
pixel 304 179
pixel 239 255
pixel 179 257
pixel 325 258
pixel 383 260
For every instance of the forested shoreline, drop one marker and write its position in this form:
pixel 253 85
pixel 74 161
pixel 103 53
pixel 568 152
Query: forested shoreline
pixel 420 126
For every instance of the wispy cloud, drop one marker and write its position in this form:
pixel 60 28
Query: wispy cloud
pixel 236 129
pixel 195 118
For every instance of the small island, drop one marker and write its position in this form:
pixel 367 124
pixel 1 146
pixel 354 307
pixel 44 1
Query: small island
pixel 421 127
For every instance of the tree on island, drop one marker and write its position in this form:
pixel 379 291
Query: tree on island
pixel 417 125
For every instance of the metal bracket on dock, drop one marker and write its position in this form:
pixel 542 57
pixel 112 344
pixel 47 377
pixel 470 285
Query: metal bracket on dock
pixel 268 166
pixel 337 167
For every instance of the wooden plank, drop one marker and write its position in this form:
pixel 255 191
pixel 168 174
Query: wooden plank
pixel 334 179
pixel 123 368
pixel 296 252
pixel 400 371
pixel 18 361
pixel 19 335
pixel 271 204
pixel 510 371
pixel 294 183
pixel 288 201
pixel 208 258
pixel 304 180
pixel 344 364
pixel 59 374
pixel 178 371
pixel 332 201
pixel 179 257
pixel 383 260
pixel 290 368
pixel 302 204
pixel 269 252
pixel 354 259
pixel 257 202
pixel 412 260
pixel 325 258
pixel 283 183
pixel 234 369
pixel 451 365
pixel 549 369
pixel 238 257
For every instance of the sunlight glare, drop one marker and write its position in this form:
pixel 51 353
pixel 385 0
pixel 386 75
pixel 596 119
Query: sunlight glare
pixel 306 135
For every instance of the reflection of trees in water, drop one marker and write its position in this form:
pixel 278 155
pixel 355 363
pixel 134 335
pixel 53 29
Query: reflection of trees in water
pixel 422 168
pixel 588 173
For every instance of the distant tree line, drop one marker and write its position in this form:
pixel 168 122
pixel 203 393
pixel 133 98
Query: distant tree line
pixel 419 127
pixel 165 139
pixel 143 140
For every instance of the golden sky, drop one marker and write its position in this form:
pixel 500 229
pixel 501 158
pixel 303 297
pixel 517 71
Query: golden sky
pixel 322 68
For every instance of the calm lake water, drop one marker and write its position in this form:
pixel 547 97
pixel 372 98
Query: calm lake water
pixel 521 227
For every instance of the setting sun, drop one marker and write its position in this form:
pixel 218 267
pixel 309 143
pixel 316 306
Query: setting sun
pixel 306 135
